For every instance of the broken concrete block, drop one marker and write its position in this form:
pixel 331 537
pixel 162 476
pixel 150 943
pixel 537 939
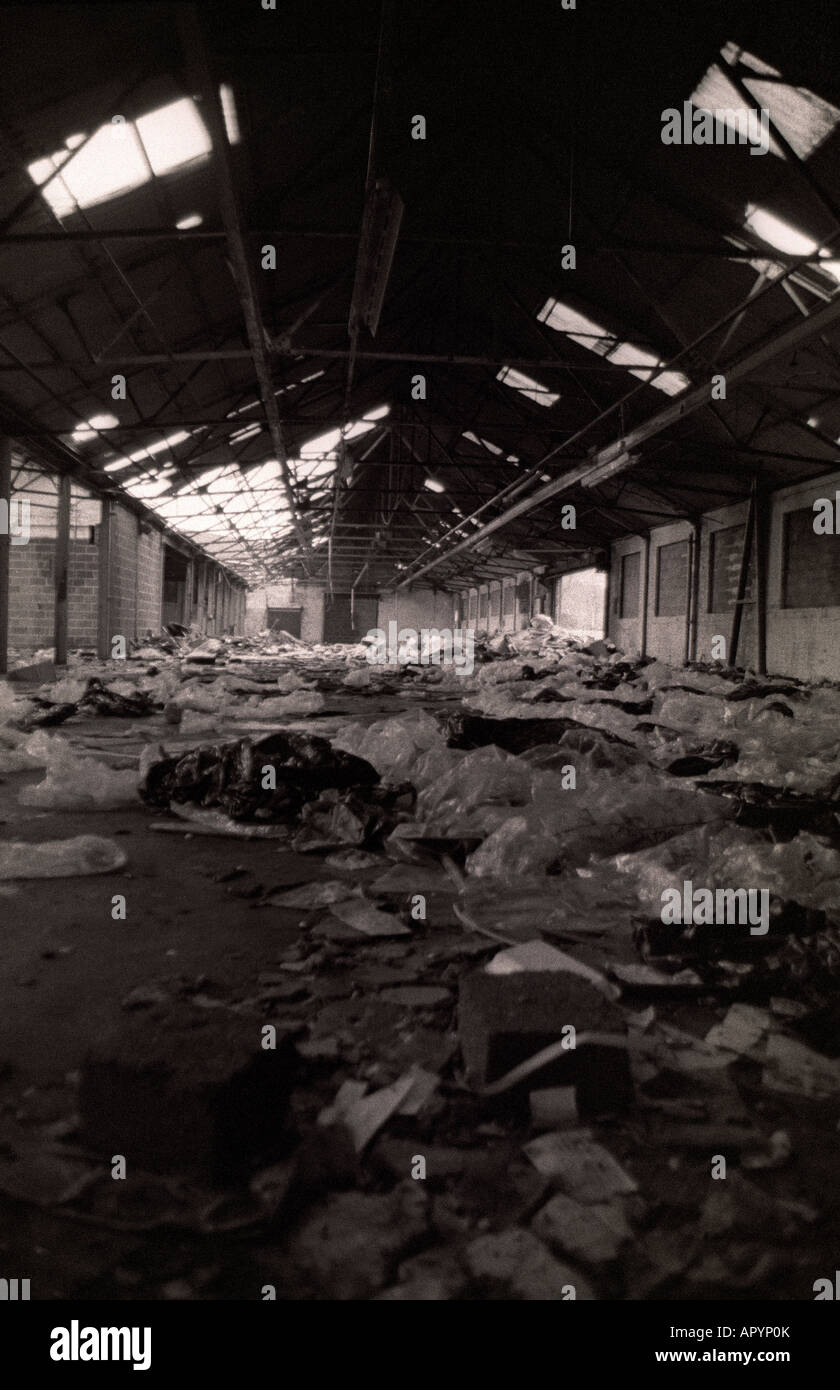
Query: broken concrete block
pixel 39 672
pixel 516 1259
pixel 503 1020
pixel 347 1244
pixel 586 1170
pixel 554 1107
pixel 177 1090
pixel 539 955
pixel 435 1276
pixel 593 1233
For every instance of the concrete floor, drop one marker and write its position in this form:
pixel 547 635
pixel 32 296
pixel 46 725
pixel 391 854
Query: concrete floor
pixel 192 930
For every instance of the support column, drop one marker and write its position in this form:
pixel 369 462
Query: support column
pixel 189 586
pixel 62 566
pixel 645 598
pixel 5 523
pixel 762 545
pixel 103 639
pixel 740 598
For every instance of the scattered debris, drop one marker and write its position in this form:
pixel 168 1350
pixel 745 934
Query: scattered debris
pixel 82 855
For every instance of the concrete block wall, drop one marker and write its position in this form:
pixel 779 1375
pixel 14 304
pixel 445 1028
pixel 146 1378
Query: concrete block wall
pixel 123 583
pixel 665 634
pixel 709 623
pixel 801 642
pixel 287 593
pixel 416 608
pixel 149 581
pixel 32 596
pixel 136 582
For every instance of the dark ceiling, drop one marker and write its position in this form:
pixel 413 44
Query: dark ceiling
pixel 543 129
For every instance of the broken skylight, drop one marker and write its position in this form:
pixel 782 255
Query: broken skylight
pixel 119 157
pixel 148 451
pixel 240 514
pixel 231 119
pixel 88 428
pixel 804 119
pixel 641 362
pixel 788 239
pixel 534 390
pixel 485 443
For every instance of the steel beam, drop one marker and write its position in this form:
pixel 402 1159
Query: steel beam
pixel 195 52
pixel 772 346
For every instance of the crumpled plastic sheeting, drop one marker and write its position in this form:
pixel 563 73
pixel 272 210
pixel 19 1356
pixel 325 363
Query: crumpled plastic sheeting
pixel 598 817
pixel 14 756
pixel 508 704
pixel 84 854
pixel 393 746
pixel 74 783
pixel 224 697
pixel 804 870
pixel 277 707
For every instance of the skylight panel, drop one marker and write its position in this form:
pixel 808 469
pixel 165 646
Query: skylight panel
pixel 112 161
pixel 576 326
pixel 193 219
pixel 88 428
pixel 775 232
pixel 433 485
pixel 805 119
pixel 247 432
pixel 146 490
pixel 625 354
pixel 173 135
pixel 788 239
pixel 527 386
pixel 158 446
pixel 109 164
pixel 485 443
pixel 229 113
pixel 671 382
pixel 320 445
pixel 641 362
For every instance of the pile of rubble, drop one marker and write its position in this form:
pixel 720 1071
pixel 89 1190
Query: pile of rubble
pixel 491 1064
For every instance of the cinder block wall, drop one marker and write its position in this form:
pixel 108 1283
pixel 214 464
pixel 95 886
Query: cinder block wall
pixel 136 587
pixel 415 608
pixel 124 537
pixel 149 581
pixel 32 598
pixel 287 594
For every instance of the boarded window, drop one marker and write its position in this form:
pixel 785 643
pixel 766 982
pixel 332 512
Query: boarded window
pixel 482 607
pixel 495 603
pixel 811 564
pixel 473 605
pixel 507 600
pixel 631 568
pixel 725 551
pixel 285 620
pixel 672 580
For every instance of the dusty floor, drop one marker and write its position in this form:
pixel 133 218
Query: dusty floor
pixel 199 939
